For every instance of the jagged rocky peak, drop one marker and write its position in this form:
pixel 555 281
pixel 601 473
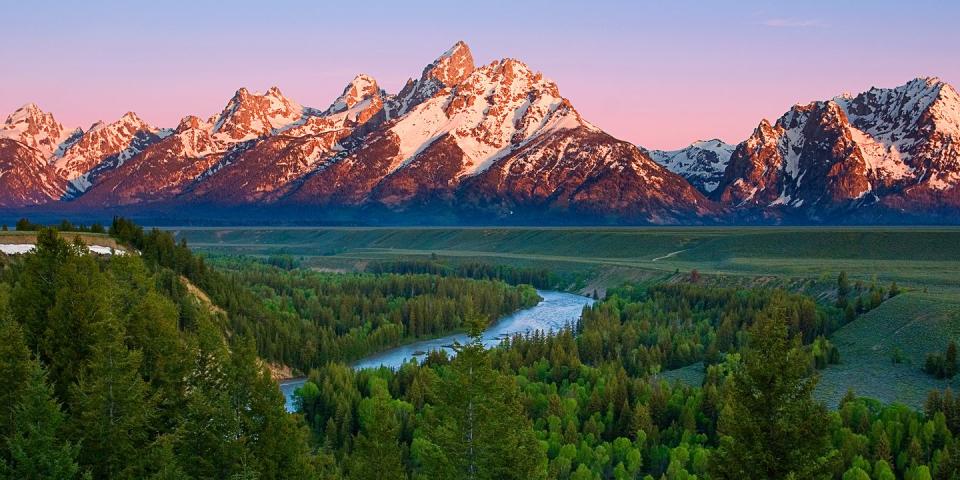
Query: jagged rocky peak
pixel 127 124
pixel 104 146
pixel 946 110
pixel 253 115
pixel 132 119
pixel 448 70
pixel 494 110
pixel 923 103
pixel 504 81
pixel 28 115
pixel 711 144
pixel 188 123
pixel 452 67
pixel 35 128
pixel 362 87
pixel 510 71
pixel 893 147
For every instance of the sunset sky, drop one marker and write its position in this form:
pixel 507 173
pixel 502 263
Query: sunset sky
pixel 659 74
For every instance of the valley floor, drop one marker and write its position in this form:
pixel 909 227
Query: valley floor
pixel 925 261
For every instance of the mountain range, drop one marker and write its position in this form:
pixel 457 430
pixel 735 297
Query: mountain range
pixel 494 143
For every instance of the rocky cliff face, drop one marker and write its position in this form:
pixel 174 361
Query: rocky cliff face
pixel 25 176
pixel 893 149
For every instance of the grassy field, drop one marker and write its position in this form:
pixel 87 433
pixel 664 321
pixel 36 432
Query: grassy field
pixel 912 324
pixel 922 257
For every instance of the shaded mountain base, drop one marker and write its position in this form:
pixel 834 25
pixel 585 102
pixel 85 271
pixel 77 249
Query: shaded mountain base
pixel 433 215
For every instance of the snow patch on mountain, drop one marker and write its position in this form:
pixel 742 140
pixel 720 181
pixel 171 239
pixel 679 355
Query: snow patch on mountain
pixel 909 130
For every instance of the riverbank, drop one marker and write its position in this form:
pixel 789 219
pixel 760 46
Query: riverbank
pixel 555 311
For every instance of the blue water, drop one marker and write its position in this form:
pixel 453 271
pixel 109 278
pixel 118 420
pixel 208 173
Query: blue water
pixel 556 310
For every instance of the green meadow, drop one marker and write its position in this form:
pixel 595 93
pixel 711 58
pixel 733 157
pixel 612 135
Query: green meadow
pixel 921 257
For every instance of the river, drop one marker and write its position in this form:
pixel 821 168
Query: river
pixel 556 310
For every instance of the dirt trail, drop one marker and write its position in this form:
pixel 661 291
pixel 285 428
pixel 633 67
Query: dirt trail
pixel 670 254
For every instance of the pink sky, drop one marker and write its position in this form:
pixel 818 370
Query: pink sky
pixel 658 76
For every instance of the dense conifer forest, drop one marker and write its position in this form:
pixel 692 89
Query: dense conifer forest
pixel 593 400
pixel 154 365
pixel 109 370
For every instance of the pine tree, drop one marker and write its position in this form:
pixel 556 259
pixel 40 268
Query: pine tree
pixel 15 366
pixel 849 313
pixel 82 303
pixel 37 284
pixel 236 422
pixel 480 429
pixel 23 225
pixel 950 360
pixel 881 451
pixel 208 443
pixel 377 452
pixel 110 407
pixel 152 329
pixel 35 450
pixel 771 427
pixel 843 289
pixel 276 441
pixel 162 461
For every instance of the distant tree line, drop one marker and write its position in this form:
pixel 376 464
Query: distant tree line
pixel 942 365
pixel 24 225
pixel 867 298
pixel 538 277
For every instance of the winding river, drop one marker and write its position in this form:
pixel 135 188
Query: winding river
pixel 556 310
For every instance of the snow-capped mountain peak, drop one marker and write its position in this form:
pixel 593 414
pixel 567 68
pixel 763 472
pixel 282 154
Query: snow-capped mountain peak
pixel 253 115
pixel 897 147
pixel 361 88
pixel 702 162
pixel 35 128
pixel 497 139
pixel 452 66
pixel 489 113
pixel 449 69
pixel 190 122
